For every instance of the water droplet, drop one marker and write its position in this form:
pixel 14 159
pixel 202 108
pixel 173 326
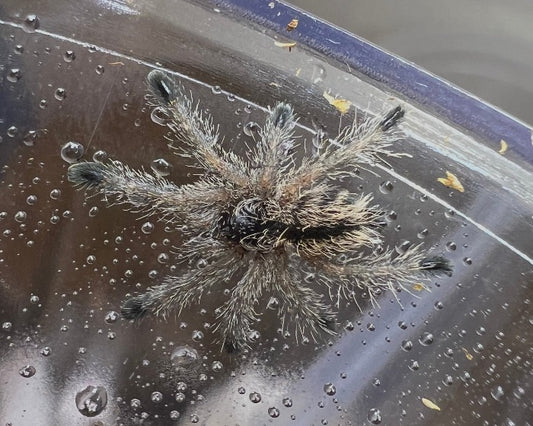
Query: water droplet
pixel 60 94
pixel 467 261
pixel 216 90
pixel 14 75
pixel 27 371
pixel 414 365
pixel 43 104
pixel 20 216
pixel 69 56
pixel 91 401
pixel 31 23
pixel 439 305
pixel 99 69
pixel 161 167
pixel 184 356
pixel 497 393
pixel 386 187
pixel 217 366
pixel 273 303
pixel 100 156
pixel 12 131
pixel 6 326
pixel 197 335
pixel 156 396
pixel 330 389
pixel 180 397
pixel 451 246
pixel 91 259
pixel 374 416
pixel 72 152
pixel 158 116
pixel 287 402
pixel 55 194
pixel 19 49
pixel 273 412
pixel 426 339
pixel 34 299
pixel 46 351
pixel 93 211
pixel 251 128
pixel 147 227
pixel 255 397
pixel 174 415
pixel 111 317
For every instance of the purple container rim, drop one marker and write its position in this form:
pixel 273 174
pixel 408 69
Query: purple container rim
pixel 436 95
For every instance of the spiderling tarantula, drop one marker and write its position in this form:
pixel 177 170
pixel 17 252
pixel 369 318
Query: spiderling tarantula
pixel 260 221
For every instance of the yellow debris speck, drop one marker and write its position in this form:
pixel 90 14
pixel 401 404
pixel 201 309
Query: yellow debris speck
pixel 468 355
pixel 286 44
pixel 503 146
pixel 419 287
pixel 430 404
pixel 451 181
pixel 292 25
pixel 342 105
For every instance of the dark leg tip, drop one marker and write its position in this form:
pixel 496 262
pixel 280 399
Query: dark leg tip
pixel 281 115
pixel 437 265
pixel 133 308
pixel 87 174
pixel 161 86
pixel 392 117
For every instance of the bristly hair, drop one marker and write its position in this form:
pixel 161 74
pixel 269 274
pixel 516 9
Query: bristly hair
pixel 260 222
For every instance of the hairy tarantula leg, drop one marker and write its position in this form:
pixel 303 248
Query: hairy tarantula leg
pixel 194 128
pixel 144 192
pixel 356 144
pixel 384 271
pixel 275 149
pixel 176 293
pixel 303 305
pixel 236 316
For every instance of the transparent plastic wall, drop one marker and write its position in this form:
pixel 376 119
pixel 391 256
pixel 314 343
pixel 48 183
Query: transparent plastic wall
pixel 73 88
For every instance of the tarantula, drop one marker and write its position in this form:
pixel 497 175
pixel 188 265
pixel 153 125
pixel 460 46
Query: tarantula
pixel 259 222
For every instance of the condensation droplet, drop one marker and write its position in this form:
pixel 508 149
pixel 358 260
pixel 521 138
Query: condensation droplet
pixel 14 75
pixel 147 227
pixel 386 187
pixel 330 389
pixel 161 167
pixel 374 416
pixel 426 339
pixel 156 396
pixel 27 371
pixel 60 94
pixel 273 412
pixel 111 317
pixel 99 69
pixel 287 402
pixel 72 151
pixel 91 401
pixel 100 156
pixel 31 23
pixel 251 128
pixel 69 56
pixel 497 393
pixel 255 397
pixel 20 216
pixel 184 356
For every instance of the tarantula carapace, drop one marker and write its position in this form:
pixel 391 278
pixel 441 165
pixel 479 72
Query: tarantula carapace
pixel 260 221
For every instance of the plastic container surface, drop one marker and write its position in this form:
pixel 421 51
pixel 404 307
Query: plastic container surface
pixel 75 72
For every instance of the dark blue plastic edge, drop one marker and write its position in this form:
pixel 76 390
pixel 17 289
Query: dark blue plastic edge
pixel 438 96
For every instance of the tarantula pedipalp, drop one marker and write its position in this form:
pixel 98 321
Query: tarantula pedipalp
pixel 260 221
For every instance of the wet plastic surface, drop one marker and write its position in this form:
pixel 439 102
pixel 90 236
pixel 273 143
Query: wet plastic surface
pixel 67 263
